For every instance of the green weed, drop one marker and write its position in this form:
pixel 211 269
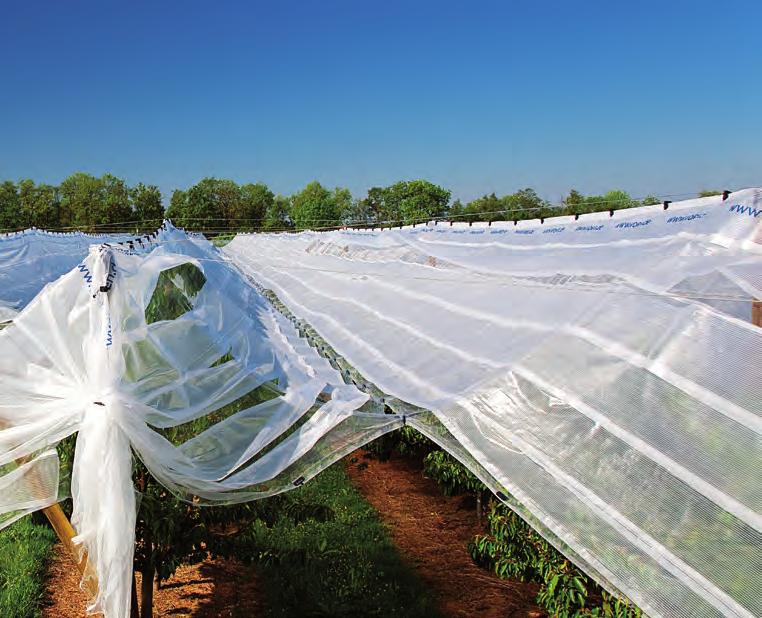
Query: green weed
pixel 322 551
pixel 25 550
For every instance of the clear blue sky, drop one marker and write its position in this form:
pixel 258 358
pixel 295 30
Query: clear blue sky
pixel 661 97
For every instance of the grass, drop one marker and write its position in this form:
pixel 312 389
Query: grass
pixel 321 550
pixel 25 549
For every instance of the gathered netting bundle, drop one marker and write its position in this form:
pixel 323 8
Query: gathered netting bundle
pixel 601 373
pixel 138 340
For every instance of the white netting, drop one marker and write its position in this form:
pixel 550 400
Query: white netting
pixel 603 370
pixel 136 341
pixel 32 258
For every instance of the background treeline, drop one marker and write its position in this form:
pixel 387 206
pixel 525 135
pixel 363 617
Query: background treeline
pixel 81 202
pixel 216 205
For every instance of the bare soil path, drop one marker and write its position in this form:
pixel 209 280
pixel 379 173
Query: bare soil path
pixel 432 532
pixel 211 589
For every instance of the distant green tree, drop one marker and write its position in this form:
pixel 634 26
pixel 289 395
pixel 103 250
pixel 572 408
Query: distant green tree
pixel 651 200
pixel 228 195
pixel 573 201
pixel 315 207
pixel 407 201
pixel 79 192
pixel 523 204
pixel 344 202
pixel 615 199
pixel 709 193
pixel 39 205
pixel 357 213
pixel 147 206
pixel 116 208
pixel 576 203
pixel 455 213
pixel 254 202
pixel 422 201
pixel 27 203
pixel 208 204
pixel 373 205
pixel 178 207
pixel 485 208
pixel 277 216
pixel 526 204
pixel 10 211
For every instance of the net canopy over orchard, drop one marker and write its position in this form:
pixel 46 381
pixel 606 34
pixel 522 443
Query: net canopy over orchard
pixel 600 373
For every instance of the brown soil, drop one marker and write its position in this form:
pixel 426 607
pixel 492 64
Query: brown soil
pixel 432 532
pixel 211 589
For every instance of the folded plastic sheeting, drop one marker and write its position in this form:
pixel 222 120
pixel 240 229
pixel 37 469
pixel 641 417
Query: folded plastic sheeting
pixel 135 342
pixel 32 258
pixel 602 371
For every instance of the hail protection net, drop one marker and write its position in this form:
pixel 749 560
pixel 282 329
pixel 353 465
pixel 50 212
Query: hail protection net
pixel 162 348
pixel 32 258
pixel 602 373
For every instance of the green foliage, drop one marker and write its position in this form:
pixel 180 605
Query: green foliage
pixel 9 207
pixel 218 206
pixel 344 202
pixel 406 441
pixel 148 210
pixel 614 607
pixel 651 200
pixel 175 289
pixel 455 213
pixel 709 193
pixel 39 204
pixel 25 550
pixel 406 202
pixel 512 549
pixel 177 206
pixel 316 207
pixel 357 212
pixel 452 477
pixel 252 208
pixel 322 551
pixel 79 192
pixel 215 205
pixel 526 204
pixel 486 208
pixel 206 205
pixel 277 215
pixel 87 201
pixel 81 201
pixel 523 204
pixel 576 203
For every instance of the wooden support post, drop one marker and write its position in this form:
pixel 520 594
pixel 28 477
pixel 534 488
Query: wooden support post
pixel 756 312
pixel 65 532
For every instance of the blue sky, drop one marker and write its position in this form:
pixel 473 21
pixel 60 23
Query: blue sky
pixel 653 97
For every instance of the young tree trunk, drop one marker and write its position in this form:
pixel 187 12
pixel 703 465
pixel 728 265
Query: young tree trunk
pixel 479 508
pixel 146 590
pixel 134 607
pixel 148 571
